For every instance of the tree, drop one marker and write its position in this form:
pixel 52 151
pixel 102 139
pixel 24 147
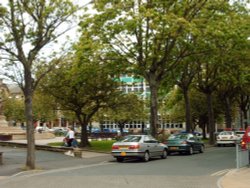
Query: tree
pixel 14 110
pixel 151 36
pixel 44 107
pixel 243 97
pixel 126 108
pixel 28 26
pixel 234 49
pixel 172 107
pixel 188 70
pixel 220 37
pixel 82 85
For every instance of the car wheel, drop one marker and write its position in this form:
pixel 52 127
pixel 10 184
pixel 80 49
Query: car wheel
pixel 119 159
pixel 202 149
pixel 191 150
pixel 164 154
pixel 146 157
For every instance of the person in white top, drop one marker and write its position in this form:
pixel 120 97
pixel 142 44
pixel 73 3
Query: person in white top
pixel 70 136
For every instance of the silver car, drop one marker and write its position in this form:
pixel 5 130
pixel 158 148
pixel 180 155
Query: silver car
pixel 139 146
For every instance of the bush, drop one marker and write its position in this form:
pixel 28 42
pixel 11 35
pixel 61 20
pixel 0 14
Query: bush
pixel 162 137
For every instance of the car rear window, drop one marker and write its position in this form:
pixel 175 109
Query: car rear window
pixel 131 139
pixel 178 136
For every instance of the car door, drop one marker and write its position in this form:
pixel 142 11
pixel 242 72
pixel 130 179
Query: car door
pixel 150 145
pixel 191 141
pixel 157 149
pixel 197 143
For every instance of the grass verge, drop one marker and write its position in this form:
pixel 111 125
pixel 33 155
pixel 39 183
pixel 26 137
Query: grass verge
pixel 101 146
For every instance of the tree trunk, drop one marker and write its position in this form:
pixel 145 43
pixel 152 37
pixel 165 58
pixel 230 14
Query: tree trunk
pixel 121 126
pixel 30 160
pixel 228 113
pixel 211 124
pixel 84 134
pixel 204 132
pixel 143 127
pixel 245 119
pixel 244 106
pixel 187 110
pixel 202 123
pixel 153 109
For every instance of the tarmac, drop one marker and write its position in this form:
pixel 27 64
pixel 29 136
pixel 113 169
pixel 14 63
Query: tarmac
pixel 14 160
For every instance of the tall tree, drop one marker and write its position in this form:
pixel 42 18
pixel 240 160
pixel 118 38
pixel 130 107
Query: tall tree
pixel 243 98
pixel 28 26
pixel 220 37
pixel 151 36
pixel 188 70
pixel 233 72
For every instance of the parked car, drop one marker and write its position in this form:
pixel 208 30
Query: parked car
pixel 185 143
pixel 95 130
pixel 240 134
pixel 197 134
pixel 41 129
pixel 138 146
pixel 61 131
pixel 226 138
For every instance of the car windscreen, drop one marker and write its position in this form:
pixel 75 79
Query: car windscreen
pixel 131 139
pixel 178 136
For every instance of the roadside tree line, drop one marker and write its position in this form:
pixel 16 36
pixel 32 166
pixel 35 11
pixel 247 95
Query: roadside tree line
pixel 199 46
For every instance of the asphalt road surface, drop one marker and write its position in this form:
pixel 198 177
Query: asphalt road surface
pixel 177 171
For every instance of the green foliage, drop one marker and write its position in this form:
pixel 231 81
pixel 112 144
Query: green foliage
pixel 127 107
pixel 158 37
pixel 172 107
pixel 14 109
pixel 84 83
pixel 80 86
pixel 44 107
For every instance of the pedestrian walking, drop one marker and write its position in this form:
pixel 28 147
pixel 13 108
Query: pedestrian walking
pixel 70 136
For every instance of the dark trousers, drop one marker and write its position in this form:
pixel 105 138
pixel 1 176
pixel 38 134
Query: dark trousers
pixel 70 142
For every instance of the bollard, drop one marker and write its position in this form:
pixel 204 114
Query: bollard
pixel 242 156
pixel 77 152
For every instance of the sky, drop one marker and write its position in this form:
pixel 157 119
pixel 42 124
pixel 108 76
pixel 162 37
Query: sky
pixel 64 41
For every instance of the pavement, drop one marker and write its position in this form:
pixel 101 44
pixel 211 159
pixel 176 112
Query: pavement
pixel 237 178
pixel 14 161
pixel 14 158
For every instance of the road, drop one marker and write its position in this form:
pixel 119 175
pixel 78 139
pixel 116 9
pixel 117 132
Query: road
pixel 177 171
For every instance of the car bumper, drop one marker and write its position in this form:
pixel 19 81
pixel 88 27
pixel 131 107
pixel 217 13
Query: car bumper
pixel 178 148
pixel 225 141
pixel 127 154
